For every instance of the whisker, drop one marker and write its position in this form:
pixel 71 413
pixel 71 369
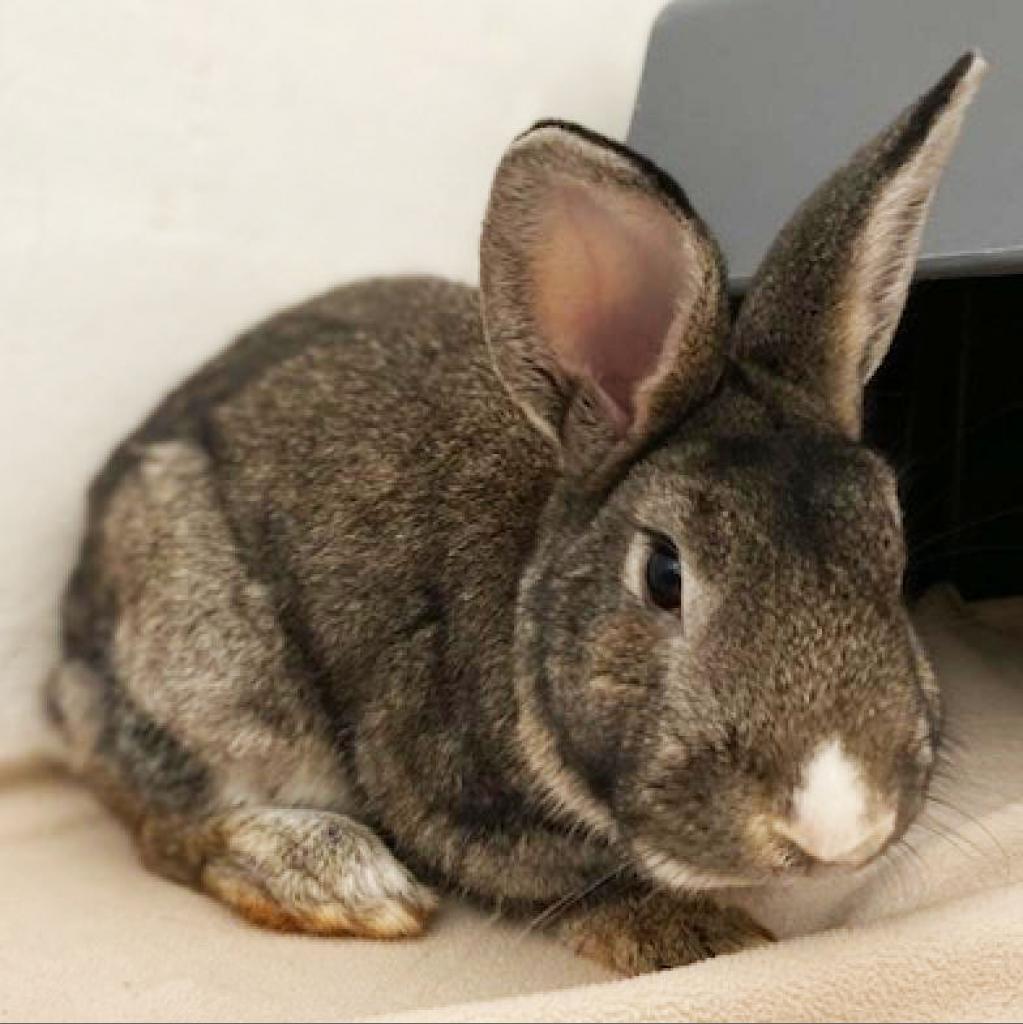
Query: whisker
pixel 892 870
pixel 943 534
pixel 949 837
pixel 977 823
pixel 976 549
pixel 561 906
pixel 915 463
pixel 907 851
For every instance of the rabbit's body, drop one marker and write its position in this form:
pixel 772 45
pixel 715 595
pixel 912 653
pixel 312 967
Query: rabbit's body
pixel 279 562
pixel 566 594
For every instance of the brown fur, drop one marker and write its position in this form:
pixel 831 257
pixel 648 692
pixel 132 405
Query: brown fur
pixel 354 597
pixel 671 930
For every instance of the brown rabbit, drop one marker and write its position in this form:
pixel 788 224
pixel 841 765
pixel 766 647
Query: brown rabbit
pixel 568 593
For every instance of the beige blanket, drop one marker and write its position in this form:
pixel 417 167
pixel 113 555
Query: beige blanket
pixel 932 934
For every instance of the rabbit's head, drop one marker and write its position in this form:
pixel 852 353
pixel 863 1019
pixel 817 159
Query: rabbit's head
pixel 714 665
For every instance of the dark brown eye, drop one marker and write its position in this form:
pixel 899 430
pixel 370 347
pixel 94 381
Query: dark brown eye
pixel 664 577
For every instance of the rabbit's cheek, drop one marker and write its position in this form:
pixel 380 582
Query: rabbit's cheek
pixel 625 650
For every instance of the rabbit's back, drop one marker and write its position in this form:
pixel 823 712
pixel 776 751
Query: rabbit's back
pixel 382 466
pixel 375 492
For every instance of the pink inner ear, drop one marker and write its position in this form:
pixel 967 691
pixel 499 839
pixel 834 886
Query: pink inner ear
pixel 609 276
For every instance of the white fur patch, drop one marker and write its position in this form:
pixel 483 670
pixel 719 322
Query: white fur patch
pixel 834 818
pixel 634 573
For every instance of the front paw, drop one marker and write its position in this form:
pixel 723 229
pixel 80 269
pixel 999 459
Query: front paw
pixel 655 931
pixel 312 871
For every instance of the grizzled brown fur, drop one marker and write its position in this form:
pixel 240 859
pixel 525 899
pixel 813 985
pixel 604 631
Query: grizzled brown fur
pixel 353 604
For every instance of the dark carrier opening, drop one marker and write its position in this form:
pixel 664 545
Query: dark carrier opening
pixel 946 408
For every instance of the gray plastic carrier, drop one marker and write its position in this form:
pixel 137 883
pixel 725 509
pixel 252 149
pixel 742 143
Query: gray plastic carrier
pixel 751 103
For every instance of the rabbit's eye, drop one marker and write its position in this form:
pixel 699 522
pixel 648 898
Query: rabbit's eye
pixel 664 577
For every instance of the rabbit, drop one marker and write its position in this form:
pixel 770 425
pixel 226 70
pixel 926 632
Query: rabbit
pixel 574 595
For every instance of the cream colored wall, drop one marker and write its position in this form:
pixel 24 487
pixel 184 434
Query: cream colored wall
pixel 173 169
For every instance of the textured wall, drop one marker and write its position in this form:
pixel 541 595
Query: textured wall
pixel 170 171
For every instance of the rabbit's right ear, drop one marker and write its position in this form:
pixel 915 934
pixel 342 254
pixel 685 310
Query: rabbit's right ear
pixel 821 310
pixel 604 298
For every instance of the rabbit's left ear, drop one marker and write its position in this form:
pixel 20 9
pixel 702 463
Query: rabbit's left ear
pixel 821 311
pixel 604 298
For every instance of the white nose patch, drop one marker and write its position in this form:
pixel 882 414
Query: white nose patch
pixel 833 817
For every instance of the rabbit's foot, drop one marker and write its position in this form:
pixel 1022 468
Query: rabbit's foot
pixel 297 870
pixel 637 932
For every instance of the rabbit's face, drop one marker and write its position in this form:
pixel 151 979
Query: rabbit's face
pixel 712 658
pixel 725 663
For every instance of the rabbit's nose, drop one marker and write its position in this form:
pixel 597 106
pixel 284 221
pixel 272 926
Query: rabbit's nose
pixel 835 819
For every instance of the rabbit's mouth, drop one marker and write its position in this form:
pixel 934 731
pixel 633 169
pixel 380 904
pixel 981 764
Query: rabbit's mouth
pixel 786 867
pixel 833 818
